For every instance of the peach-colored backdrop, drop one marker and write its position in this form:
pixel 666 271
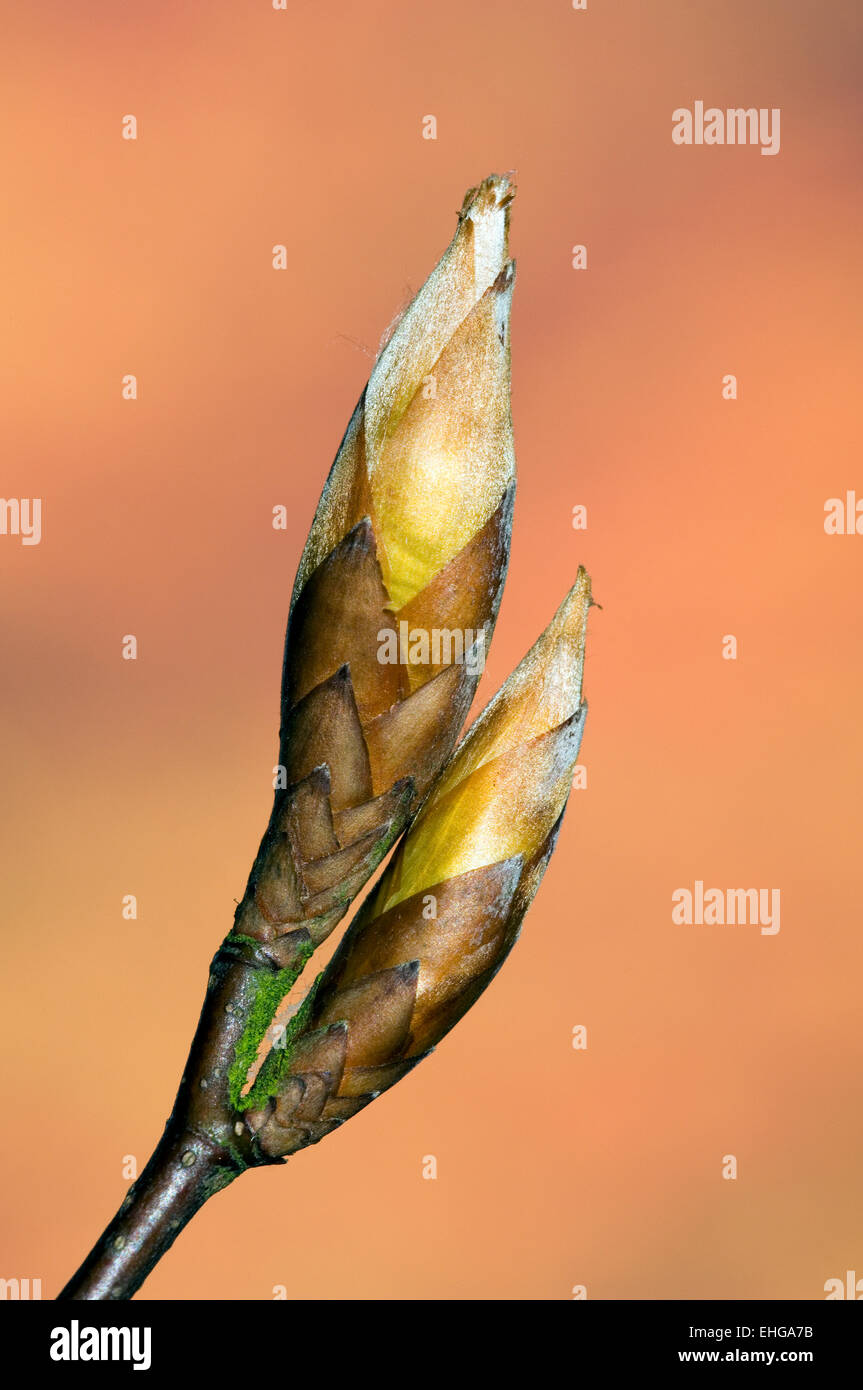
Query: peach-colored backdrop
pixel 556 1167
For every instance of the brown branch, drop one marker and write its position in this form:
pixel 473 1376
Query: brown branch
pixel 185 1170
pixel 205 1146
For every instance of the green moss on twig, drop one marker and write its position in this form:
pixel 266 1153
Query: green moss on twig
pixel 269 990
pixel 276 1062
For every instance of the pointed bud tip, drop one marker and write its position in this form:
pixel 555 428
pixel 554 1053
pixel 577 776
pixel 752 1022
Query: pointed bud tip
pixel 495 192
pixel 570 620
pixel 560 650
pixel 486 207
pixel 543 693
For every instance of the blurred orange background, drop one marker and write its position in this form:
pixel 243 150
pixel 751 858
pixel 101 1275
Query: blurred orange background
pixel 556 1167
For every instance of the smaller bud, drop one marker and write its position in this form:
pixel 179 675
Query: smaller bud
pixel 401 978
